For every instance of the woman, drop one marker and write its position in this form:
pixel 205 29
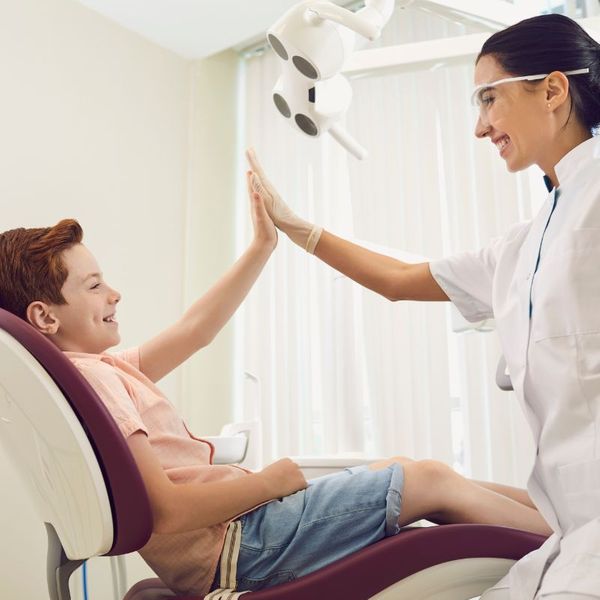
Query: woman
pixel 538 91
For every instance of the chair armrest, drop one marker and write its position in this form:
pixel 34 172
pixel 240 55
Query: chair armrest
pixel 316 466
pixel 229 449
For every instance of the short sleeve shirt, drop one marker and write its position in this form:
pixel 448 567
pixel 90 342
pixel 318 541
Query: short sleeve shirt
pixel 186 562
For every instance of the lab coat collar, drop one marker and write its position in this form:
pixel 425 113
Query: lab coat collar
pixel 576 159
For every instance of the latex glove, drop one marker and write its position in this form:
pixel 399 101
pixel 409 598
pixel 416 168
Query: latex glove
pixel 301 232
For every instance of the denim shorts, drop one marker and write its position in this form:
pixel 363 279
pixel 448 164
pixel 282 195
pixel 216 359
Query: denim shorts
pixel 333 517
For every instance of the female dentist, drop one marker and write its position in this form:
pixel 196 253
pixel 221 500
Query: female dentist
pixel 538 92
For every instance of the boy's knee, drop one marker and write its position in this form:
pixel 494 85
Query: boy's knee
pixel 403 460
pixel 382 464
pixel 435 470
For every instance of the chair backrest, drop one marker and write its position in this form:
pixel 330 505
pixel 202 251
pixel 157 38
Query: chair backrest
pixel 66 446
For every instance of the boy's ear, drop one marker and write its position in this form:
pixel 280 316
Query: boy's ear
pixel 42 318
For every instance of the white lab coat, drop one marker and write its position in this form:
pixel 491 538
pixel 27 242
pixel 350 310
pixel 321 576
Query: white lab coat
pixel 554 362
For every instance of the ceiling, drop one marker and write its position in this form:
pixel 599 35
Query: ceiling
pixel 195 28
pixel 199 28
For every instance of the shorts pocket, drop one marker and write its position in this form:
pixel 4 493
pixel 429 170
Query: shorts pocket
pixel 258 583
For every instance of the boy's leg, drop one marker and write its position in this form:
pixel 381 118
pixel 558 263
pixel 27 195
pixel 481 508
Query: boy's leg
pixel 433 491
pixel 517 494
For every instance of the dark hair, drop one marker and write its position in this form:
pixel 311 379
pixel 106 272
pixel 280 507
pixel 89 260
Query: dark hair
pixel 31 265
pixel 549 43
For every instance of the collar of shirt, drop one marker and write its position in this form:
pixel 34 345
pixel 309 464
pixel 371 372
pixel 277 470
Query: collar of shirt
pixel 577 158
pixel 104 357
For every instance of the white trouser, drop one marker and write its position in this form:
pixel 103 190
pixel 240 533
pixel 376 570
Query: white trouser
pixel 496 594
pixel 504 594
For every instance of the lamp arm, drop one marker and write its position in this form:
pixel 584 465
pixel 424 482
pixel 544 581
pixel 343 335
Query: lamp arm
pixel 320 11
pixel 340 135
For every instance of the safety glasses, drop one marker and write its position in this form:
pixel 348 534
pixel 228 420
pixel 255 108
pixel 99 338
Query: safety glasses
pixel 477 98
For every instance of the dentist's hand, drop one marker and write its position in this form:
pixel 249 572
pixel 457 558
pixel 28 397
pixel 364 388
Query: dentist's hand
pixel 265 233
pixel 305 234
pixel 283 478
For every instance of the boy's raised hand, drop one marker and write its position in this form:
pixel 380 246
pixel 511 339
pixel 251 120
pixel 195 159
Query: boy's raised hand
pixel 283 478
pixel 265 232
pixel 305 234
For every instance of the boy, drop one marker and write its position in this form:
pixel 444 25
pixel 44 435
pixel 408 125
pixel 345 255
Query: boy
pixel 50 279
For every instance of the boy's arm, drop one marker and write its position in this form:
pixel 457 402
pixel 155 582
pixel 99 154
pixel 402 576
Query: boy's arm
pixel 187 506
pixel 208 315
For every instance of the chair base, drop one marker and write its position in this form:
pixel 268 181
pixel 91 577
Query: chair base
pixel 58 567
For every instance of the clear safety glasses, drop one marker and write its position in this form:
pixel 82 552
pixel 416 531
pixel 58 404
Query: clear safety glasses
pixel 479 99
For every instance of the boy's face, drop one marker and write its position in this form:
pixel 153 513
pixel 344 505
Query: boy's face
pixel 86 323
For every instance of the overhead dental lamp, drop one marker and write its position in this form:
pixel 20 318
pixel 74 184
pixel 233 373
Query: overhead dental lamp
pixel 313 40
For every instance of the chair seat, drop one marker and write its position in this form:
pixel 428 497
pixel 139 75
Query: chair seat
pixel 377 567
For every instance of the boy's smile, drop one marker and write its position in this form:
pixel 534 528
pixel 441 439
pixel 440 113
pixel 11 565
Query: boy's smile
pixel 87 322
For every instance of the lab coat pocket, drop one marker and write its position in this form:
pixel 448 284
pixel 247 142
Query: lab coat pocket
pixel 580 483
pixel 566 287
pixel 588 372
pixel 579 574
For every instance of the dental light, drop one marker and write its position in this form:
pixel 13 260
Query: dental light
pixel 313 40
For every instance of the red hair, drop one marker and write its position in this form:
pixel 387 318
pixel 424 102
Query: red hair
pixel 31 265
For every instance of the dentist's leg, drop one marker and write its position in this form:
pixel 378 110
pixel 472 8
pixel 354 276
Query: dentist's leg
pixel 433 491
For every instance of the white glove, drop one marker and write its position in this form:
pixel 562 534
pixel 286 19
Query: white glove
pixel 301 232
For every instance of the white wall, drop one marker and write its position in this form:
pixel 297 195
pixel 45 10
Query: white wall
pixel 214 177
pixel 94 124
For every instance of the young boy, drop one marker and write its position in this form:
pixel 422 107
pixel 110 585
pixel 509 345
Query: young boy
pixel 203 511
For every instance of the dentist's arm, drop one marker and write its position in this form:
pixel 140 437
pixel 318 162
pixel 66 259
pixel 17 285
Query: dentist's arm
pixel 394 279
pixel 208 315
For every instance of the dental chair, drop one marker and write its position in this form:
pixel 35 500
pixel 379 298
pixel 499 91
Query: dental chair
pixel 88 492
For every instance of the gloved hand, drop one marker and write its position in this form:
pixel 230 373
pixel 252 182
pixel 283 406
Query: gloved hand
pixel 301 232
